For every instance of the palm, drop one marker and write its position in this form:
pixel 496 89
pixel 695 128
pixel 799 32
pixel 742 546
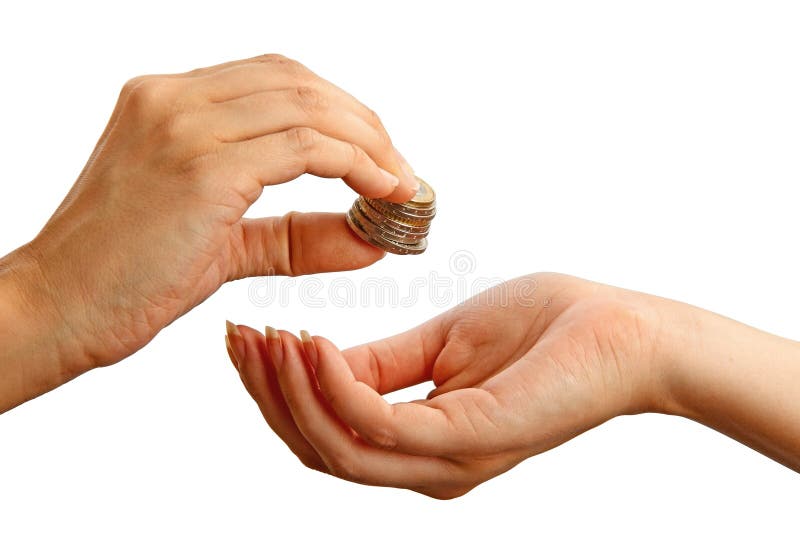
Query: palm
pixel 481 341
pixel 565 354
pixel 515 376
pixel 572 351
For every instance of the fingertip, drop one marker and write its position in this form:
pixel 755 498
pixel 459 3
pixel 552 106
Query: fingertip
pixel 310 348
pixel 370 253
pixel 373 181
pixel 292 348
pixel 325 347
pixel 236 342
pixel 404 192
pixel 231 354
pixel 284 349
pixel 247 331
pixel 364 254
pixel 331 365
pixel 390 179
pixel 408 185
pixel 285 337
pixel 231 329
pixel 251 338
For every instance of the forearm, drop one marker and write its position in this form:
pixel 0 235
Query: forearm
pixel 36 353
pixel 738 380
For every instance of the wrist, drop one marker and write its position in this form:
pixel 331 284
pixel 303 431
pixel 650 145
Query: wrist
pixel 679 357
pixel 654 338
pixel 709 363
pixel 37 349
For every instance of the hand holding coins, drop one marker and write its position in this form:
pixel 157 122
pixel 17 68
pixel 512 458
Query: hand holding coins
pixel 399 228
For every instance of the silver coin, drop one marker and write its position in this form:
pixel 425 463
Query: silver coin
pixel 383 230
pixel 385 244
pixel 425 196
pixel 383 220
pixel 403 249
pixel 400 228
pixel 423 210
pixel 401 211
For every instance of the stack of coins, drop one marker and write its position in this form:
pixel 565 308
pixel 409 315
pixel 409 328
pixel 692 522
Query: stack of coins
pixel 399 228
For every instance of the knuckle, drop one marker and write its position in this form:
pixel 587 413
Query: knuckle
pixel 148 93
pixel 384 141
pixel 279 61
pixel 311 463
pixel 131 84
pixel 359 155
pixel 345 467
pixel 288 263
pixel 447 493
pixel 381 437
pixel 175 127
pixel 375 122
pixel 373 119
pixel 273 58
pixel 303 139
pixel 310 100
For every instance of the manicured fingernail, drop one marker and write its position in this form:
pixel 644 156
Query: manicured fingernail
pixel 274 347
pixel 390 178
pixel 230 353
pixel 235 342
pixel 232 330
pixel 310 348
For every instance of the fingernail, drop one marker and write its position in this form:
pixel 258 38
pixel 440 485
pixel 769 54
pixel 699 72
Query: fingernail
pixel 232 330
pixel 236 342
pixel 390 178
pixel 408 171
pixel 309 347
pixel 274 347
pixel 230 353
pixel 414 184
pixel 410 177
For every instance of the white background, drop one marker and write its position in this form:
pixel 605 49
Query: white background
pixel 650 145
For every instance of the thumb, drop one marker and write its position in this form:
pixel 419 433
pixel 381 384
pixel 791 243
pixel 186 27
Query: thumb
pixel 399 361
pixel 297 243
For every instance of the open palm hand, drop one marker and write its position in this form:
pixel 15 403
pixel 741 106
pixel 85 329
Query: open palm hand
pixel 518 369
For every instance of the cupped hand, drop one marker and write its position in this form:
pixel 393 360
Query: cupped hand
pixel 519 369
pixel 155 224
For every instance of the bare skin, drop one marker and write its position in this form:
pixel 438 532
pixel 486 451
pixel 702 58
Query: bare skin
pixel 518 370
pixel 154 224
